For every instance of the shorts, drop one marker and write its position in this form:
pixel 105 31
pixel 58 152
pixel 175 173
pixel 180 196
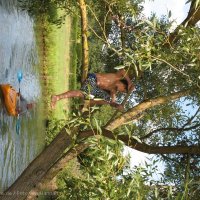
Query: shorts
pixel 91 90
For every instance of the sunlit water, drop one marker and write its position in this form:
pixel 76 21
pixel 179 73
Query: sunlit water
pixel 18 52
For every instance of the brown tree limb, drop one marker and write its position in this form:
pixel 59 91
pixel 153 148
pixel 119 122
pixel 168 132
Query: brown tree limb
pixel 169 129
pixel 192 18
pixel 38 168
pixel 85 48
pixel 142 107
pixel 61 163
pixel 190 119
pixel 193 15
pixel 133 143
pixel 43 163
pixel 56 168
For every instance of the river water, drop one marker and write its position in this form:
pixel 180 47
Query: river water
pixel 18 52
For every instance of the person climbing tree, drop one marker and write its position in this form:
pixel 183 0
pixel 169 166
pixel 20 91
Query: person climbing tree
pixel 101 86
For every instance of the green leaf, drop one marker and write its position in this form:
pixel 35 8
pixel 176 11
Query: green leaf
pixel 197 3
pixel 110 155
pixel 136 138
pixel 119 67
pixel 149 22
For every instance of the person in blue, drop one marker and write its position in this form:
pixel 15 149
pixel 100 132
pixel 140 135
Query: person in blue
pixel 101 86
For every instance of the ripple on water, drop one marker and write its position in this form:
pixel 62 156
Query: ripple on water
pixel 18 52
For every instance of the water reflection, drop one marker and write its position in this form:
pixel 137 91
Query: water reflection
pixel 18 52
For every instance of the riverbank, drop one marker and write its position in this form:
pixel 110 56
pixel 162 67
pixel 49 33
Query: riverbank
pixel 59 53
pixel 54 49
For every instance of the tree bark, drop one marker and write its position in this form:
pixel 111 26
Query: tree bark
pixel 48 158
pixel 192 18
pixel 38 168
pixel 138 109
pixel 85 48
pixel 55 169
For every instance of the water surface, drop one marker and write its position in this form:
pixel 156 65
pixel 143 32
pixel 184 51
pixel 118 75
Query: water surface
pixel 18 52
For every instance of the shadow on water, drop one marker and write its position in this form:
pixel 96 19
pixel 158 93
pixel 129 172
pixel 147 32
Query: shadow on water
pixel 18 52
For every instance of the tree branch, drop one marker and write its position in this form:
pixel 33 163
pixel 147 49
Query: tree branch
pixel 85 48
pixel 192 18
pixel 169 129
pixel 175 129
pixel 142 107
pixel 143 147
pixel 190 120
pixel 56 168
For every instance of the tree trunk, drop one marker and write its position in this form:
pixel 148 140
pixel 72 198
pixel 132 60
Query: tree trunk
pixel 55 169
pixel 85 48
pixel 48 158
pixel 38 168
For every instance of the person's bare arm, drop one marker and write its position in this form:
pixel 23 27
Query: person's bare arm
pixel 124 75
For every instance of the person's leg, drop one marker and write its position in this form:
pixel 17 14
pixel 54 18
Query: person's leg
pixel 65 95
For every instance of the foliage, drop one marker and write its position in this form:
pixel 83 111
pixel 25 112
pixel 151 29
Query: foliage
pixel 53 128
pixel 160 68
pixel 102 167
pixel 49 9
pixel 185 174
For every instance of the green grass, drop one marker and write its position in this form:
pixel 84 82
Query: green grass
pixel 75 62
pixel 61 64
pixel 63 57
pixel 53 46
pixel 74 54
pixel 60 54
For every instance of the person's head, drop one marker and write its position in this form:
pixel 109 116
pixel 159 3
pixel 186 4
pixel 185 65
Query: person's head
pixel 30 106
pixel 122 86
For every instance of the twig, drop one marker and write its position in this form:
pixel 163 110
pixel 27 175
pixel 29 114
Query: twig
pixel 173 67
pixel 190 120
pixel 169 129
pixel 98 22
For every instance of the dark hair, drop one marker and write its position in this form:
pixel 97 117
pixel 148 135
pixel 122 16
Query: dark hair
pixel 125 82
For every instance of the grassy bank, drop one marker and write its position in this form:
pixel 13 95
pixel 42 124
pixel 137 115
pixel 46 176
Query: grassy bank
pixel 58 61
pixel 75 53
pixel 60 69
pixel 60 53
